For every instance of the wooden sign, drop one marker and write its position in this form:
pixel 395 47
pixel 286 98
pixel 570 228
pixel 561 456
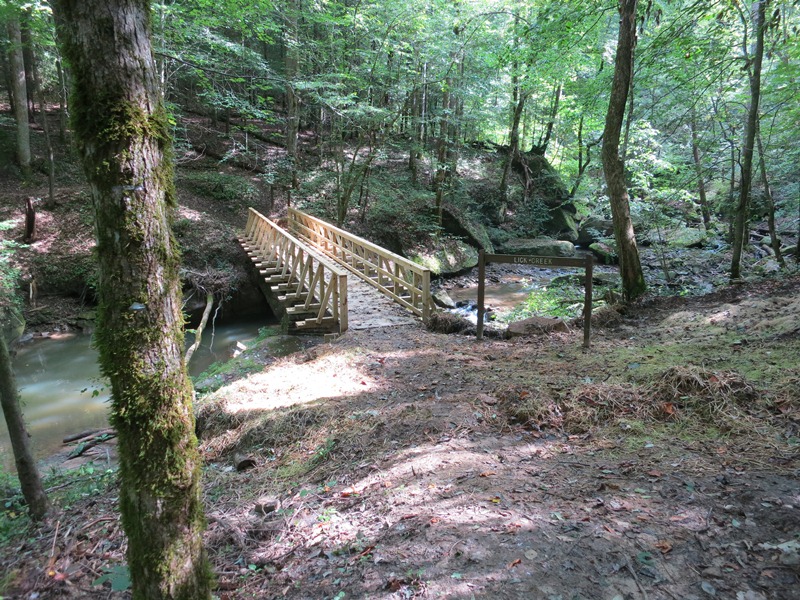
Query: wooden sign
pixel 542 262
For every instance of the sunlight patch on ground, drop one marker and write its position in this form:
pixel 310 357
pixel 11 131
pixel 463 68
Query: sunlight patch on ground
pixel 192 215
pixel 287 383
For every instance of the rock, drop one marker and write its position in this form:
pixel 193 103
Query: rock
pixel 447 322
pixel 593 229
pixel 606 254
pixel 443 299
pixel 459 225
pixel 539 247
pixel 13 324
pixel 242 462
pixel 266 505
pixel 536 325
pixel 449 256
pixel 686 237
pixel 561 225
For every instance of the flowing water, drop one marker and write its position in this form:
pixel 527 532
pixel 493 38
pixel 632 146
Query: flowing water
pixel 498 296
pixel 62 392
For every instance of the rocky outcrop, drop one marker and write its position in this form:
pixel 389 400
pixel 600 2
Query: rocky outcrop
pixel 459 225
pixel 446 255
pixel 594 229
pixel 539 247
pixel 606 253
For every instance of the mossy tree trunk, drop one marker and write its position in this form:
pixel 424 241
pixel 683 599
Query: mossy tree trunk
pixel 123 137
pixel 630 267
pixel 29 480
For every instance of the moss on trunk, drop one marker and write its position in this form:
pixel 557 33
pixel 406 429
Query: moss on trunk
pixel 123 137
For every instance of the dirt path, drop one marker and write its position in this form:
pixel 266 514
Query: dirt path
pixel 661 464
pixel 399 463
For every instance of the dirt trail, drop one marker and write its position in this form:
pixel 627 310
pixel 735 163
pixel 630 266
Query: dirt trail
pixel 400 463
pixel 663 463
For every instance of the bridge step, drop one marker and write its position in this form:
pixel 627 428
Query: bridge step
pixel 311 324
pixel 279 279
pixel 301 310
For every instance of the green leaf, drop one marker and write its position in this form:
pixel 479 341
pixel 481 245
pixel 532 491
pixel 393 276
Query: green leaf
pixel 119 576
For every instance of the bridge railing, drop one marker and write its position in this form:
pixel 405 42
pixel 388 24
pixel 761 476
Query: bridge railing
pixel 314 287
pixel 403 281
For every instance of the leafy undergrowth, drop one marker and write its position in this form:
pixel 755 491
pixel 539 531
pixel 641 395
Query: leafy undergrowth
pixel 399 463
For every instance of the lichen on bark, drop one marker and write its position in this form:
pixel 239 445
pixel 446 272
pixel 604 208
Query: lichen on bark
pixel 123 133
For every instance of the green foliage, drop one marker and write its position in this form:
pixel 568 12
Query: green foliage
pixel 68 487
pixel 118 576
pixel 9 273
pixel 71 275
pixel 231 190
pixel 530 217
pixel 556 300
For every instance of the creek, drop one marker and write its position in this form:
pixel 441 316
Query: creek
pixel 62 392
pixel 513 290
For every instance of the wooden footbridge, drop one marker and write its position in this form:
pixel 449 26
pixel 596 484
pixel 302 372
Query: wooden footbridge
pixel 321 279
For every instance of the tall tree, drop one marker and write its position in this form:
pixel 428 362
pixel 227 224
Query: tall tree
pixel 122 131
pixel 754 62
pixel 630 267
pixel 29 480
pixel 19 87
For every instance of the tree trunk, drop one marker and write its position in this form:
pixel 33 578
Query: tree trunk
pixel 20 96
pixel 633 284
pixel 698 168
pixel 51 163
pixel 544 139
pixel 292 100
pixel 63 117
pixel 513 151
pixel 29 480
pixel 775 241
pixel 122 130
pixel 740 226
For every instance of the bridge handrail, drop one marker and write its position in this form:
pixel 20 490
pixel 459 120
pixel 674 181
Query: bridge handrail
pixel 404 281
pixel 323 279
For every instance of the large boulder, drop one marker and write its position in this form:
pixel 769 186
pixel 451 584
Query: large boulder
pixel 561 224
pixel 594 229
pixel 12 324
pixel 686 237
pixel 605 252
pixel 447 255
pixel 539 247
pixel 457 224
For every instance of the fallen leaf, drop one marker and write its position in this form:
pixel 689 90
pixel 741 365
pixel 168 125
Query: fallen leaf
pixel 514 563
pixel 664 546
pixel 487 474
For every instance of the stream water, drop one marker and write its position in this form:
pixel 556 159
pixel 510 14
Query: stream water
pixel 62 392
pixel 500 296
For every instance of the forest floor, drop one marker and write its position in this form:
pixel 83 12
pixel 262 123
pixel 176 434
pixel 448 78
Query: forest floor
pixel 662 463
pixel 401 463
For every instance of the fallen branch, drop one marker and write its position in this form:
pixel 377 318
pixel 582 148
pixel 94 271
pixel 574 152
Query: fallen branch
pixel 198 336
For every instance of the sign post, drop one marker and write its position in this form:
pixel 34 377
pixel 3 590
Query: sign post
pixel 542 262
